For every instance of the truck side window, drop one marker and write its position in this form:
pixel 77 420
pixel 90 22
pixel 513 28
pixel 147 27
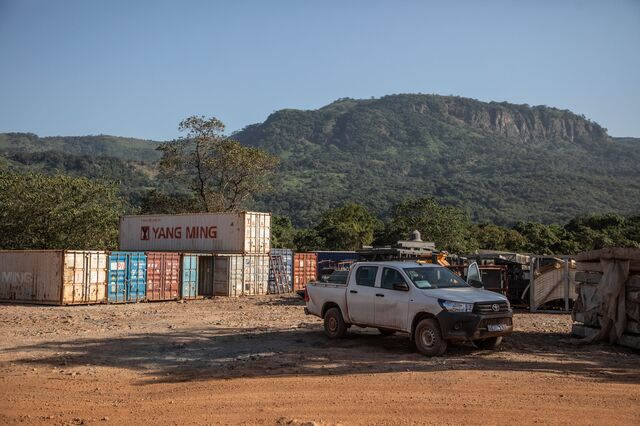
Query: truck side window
pixel 366 276
pixel 391 277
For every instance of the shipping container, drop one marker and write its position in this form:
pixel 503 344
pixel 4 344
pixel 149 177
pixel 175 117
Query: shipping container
pixel 240 275
pixel 238 233
pixel 304 269
pixel 163 275
pixel 189 287
pixel 287 259
pixel 127 280
pixel 56 277
pixel 329 261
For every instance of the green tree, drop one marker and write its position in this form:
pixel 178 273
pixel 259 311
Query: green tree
pixel 158 202
pixel 447 226
pixel 348 227
pixel 222 173
pixel 493 237
pixel 308 240
pixel 57 212
pixel 282 232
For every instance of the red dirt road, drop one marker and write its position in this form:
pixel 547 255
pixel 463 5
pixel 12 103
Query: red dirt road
pixel 262 361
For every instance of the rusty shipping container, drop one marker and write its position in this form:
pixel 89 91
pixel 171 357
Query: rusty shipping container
pixel 238 233
pixel 304 269
pixel 240 275
pixel 163 276
pixel 54 277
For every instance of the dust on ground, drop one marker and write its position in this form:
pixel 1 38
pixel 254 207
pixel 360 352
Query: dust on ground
pixel 260 360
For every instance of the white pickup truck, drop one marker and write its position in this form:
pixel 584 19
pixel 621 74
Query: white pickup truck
pixel 429 302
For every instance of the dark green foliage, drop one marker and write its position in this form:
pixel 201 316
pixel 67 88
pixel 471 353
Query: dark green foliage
pixel 282 232
pixel 494 237
pixel 447 226
pixel 308 240
pixel 57 212
pixel 157 202
pixel 348 227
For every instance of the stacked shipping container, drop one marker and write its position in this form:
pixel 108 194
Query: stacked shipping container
pixel 163 276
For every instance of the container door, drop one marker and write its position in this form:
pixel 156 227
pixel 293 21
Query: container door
pixel 172 276
pixel 154 276
pixel 205 276
pixel 189 277
pixel 137 277
pixel 117 281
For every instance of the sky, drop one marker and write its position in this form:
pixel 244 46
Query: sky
pixel 136 68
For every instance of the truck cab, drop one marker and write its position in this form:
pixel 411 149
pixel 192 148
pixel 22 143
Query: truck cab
pixel 427 301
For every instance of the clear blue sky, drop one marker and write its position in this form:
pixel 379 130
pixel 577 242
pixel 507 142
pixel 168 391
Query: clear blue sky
pixel 136 68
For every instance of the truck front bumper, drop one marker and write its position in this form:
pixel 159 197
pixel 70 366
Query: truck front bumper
pixel 469 326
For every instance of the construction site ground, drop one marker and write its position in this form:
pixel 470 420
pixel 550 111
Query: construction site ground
pixel 260 360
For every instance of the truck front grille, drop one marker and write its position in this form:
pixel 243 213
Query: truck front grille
pixel 489 308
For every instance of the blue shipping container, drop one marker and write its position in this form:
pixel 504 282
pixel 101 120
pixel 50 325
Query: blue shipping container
pixel 127 276
pixel 287 257
pixel 328 260
pixel 189 288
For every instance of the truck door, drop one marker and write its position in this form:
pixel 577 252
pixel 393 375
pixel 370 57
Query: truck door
pixel 474 277
pixel 361 294
pixel 392 300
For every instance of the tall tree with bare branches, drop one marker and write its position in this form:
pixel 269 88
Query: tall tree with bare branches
pixel 222 173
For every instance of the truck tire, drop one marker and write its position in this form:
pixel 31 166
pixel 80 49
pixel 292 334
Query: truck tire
pixel 428 338
pixel 334 326
pixel 386 332
pixel 489 343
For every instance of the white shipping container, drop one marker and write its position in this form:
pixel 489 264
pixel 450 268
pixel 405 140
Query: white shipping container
pixel 238 232
pixel 240 275
pixel 58 277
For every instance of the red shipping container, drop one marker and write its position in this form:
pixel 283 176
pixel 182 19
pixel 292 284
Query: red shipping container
pixel 304 269
pixel 163 276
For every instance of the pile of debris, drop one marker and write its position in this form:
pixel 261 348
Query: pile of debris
pixel 608 304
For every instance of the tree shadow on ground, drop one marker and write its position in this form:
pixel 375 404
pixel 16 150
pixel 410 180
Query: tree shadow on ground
pixel 223 353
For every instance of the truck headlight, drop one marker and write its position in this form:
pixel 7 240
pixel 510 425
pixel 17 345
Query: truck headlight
pixel 456 306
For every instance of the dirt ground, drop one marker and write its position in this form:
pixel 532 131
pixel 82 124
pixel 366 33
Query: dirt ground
pixel 260 360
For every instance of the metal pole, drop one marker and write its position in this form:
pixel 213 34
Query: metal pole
pixel 566 285
pixel 532 307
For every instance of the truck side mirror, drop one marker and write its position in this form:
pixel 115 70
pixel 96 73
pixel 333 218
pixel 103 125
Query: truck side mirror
pixel 401 286
pixel 476 283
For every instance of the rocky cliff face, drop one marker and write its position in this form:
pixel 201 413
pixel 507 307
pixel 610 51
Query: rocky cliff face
pixel 520 122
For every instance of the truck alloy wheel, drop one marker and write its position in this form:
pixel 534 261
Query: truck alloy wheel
pixel 429 339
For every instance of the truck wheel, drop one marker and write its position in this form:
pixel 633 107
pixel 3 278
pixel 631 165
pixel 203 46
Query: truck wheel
pixel 334 326
pixel 386 332
pixel 428 338
pixel 490 343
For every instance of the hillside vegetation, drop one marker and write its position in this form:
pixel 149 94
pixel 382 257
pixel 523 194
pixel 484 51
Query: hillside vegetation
pixel 499 162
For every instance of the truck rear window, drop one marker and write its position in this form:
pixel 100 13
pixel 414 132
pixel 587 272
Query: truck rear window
pixel 366 276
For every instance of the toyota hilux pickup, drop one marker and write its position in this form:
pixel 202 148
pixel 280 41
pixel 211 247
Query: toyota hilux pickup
pixel 427 301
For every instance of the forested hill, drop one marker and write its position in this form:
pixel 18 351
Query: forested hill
pixel 501 162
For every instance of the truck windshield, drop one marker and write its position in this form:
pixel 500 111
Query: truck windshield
pixel 427 277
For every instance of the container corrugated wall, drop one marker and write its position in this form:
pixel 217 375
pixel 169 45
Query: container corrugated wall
pixel 189 284
pixel 304 269
pixel 238 233
pixel 163 276
pixel 287 258
pixel 127 280
pixel 59 277
pixel 240 275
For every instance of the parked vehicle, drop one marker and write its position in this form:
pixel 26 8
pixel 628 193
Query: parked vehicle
pixel 427 301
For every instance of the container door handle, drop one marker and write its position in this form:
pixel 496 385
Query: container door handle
pixel 379 295
pixel 353 291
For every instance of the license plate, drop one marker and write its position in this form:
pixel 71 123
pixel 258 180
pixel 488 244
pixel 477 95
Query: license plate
pixel 496 327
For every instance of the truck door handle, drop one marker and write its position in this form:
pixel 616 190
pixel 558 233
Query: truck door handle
pixel 379 295
pixel 353 291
